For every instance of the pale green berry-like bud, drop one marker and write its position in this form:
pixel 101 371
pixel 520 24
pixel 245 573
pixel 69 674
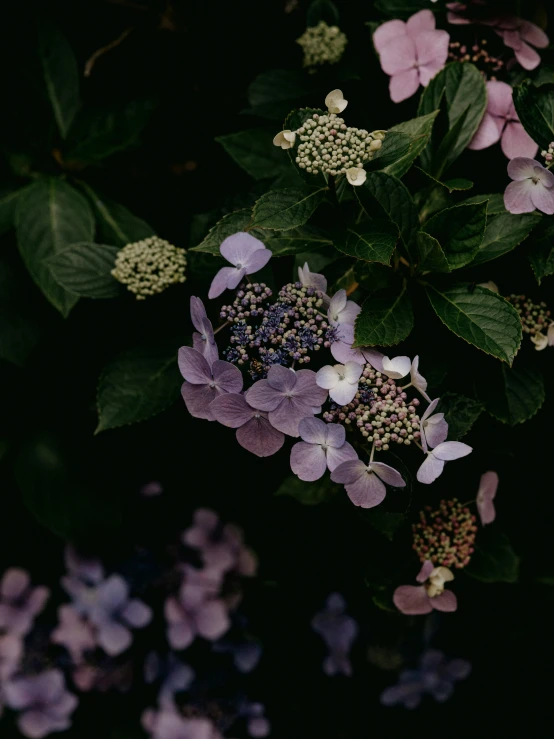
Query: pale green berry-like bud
pixel 149 266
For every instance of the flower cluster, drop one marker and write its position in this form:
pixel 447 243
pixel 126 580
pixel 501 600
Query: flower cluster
pixel 149 266
pixel 536 320
pixel 322 44
pixel 445 536
pixel 477 54
pixel 548 154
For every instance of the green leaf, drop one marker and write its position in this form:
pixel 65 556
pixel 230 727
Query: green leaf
pixel 431 257
pixel 459 231
pixel 465 96
pixel 454 185
pixel 372 242
pixel 395 148
pixel 495 203
pixel 98 134
pixel 273 93
pixel 535 108
pixel 494 560
pixel 322 10
pixel 297 240
pixel 308 493
pixel 136 385
pixel 541 257
pixel 515 395
pixel 85 270
pixel 387 318
pixel 19 332
pixel 282 210
pixel 460 412
pixel 61 76
pixel 116 225
pixel 480 317
pixel 230 224
pixel 419 129
pixel 51 215
pixel 8 202
pixel 503 233
pixel 254 151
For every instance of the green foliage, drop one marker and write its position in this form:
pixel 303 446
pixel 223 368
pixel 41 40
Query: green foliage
pixel 297 240
pixel 514 394
pixel 8 203
pixel 137 384
pixel 322 10
pixel 419 129
pixel 459 231
pixel 254 151
pixel 115 224
pixel 535 108
pixel 50 216
pixel 281 210
pixel 85 269
pixel 272 94
pixel 308 493
pixel 386 319
pixel 460 412
pixel 503 233
pixel 239 220
pixel 430 256
pixel 494 559
pixel 372 242
pixel 395 148
pixel 480 317
pixel 541 256
pixel 19 332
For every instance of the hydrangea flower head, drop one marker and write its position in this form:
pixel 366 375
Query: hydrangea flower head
pixel 532 188
pixel 247 255
pixel 417 600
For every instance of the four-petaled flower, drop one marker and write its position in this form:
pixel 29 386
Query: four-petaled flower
pixel 20 602
pixel 364 483
pixel 341 380
pixel 285 139
pixel 417 600
pixel 433 464
pixel 246 253
pixel 323 447
pixel 533 187
pixel 488 485
pixel 341 310
pixel 203 339
pixel 204 383
pixel 434 428
pixel 287 396
pixel 335 102
pixel 338 631
pixel 311 279
pixel 411 53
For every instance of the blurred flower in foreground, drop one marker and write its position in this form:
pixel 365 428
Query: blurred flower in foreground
pixel 338 631
pixel 485 496
pixel 149 266
pixel 20 602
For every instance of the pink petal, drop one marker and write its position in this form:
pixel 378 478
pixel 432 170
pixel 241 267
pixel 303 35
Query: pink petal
pixel 517 197
pixel 386 32
pixel 430 408
pixel 337 455
pixel 488 133
pixel 288 415
pixel 446 602
pixel 257 261
pixel 232 410
pixel 425 571
pixel 543 198
pixel 114 638
pixel 432 49
pixel 420 23
pixel 521 168
pixel 348 472
pixel 527 56
pixel 239 247
pixel 221 280
pixel 259 437
pixel 399 55
pixel 449 450
pixel 344 353
pixel 212 619
pixel 193 366
pixel 375 358
pixel 516 142
pixel 307 389
pixel 412 600
pixel 486 510
pixel 137 614
pixel 34 724
pixel 263 397
pixel 308 461
pixel 37 599
pixel 436 430
pixel 388 474
pixel 545 175
pixel 533 34
pixel 315 431
pixel 14 583
pixel 499 98
pixel 430 469
pixel 366 490
pixel 198 399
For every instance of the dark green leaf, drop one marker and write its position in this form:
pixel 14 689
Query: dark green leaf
pixel 322 10
pixel 535 108
pixel 372 242
pixel 19 332
pixel 515 395
pixel 395 148
pixel 85 270
pixel 308 493
pixel 254 151
pixel 282 210
pixel 387 318
pixel 460 412
pixel 230 224
pixel 431 257
pixel 296 240
pixel 8 202
pixel 503 233
pixel 273 93
pixel 480 317
pixel 494 560
pixel 50 216
pixel 495 203
pixel 61 76
pixel 453 185
pixel 136 385
pixel 419 129
pixel 459 231
pixel 116 224
pixel 541 256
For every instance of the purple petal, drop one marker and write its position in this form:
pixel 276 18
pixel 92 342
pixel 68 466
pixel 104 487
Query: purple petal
pixel 533 34
pixel 198 399
pixel 35 724
pixel 386 32
pixel 212 619
pixel 257 261
pixel 521 168
pixel 14 583
pixel 227 377
pixel 281 378
pixel 288 415
pixel 259 437
pixel 542 198
pixel 337 304
pixel 485 496
pixel 348 472
pixel 367 491
pixel 375 358
pixel 221 280
pixel 197 313
pixel 430 469
pixel 311 279
pixel 388 474
pixel 516 142
pixel 335 435
pixel 337 455
pixel 526 55
pixel 436 430
pixel 446 602
pixel 193 366
pixel 263 397
pixel 412 600
pixel 308 390
pixel 114 638
pixel 308 461
pixel 344 353
pixel 315 431
pixel 399 55
pixel 429 410
pixel 517 197
pixel 403 85
pixel 137 614
pixel 425 571
pixel 232 410
pixel 420 22
pixel 488 133
pixel 238 248
pixel 112 594
pixel 235 277
pixel 450 450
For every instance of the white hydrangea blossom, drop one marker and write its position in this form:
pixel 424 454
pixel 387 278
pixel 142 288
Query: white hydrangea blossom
pixel 285 139
pixel 149 266
pixel 322 44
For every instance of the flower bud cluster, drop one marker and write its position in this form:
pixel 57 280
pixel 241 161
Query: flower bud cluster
pixel 322 44
pixel 477 54
pixel 380 410
pixel 149 266
pixel 548 154
pixel 445 536
pixel 536 320
pixel 328 145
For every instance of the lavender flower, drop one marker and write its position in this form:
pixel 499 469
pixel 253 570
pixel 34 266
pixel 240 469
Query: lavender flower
pixel 247 254
pixel 433 464
pixel 11 651
pixel 176 676
pixel 436 675
pixel 246 653
pixel 152 489
pixel 365 483
pixel 312 279
pixel 533 187
pixel 73 632
pixel 203 339
pixel 168 724
pixel 341 380
pixel 85 570
pixel 257 724
pixel 254 431
pixel 19 602
pixel 287 396
pixel 485 496
pixel 434 429
pixel 416 600
pixel 43 702
pixel 341 310
pixel 204 383
pixel 338 631
pixel 323 447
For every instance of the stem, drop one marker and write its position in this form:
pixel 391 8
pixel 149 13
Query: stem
pixel 223 325
pixel 372 453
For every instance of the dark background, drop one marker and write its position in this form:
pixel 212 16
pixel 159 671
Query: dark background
pixel 197 59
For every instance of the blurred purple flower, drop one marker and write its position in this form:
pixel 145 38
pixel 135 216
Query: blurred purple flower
pixel 417 600
pixel 87 570
pixel 254 431
pixel 73 632
pixel 411 53
pixel 151 489
pixel 341 380
pixel 488 485
pixel 167 723
pixel 204 383
pixel 341 310
pixel 222 547
pixel 434 429
pixel 287 396
pixel 20 603
pixel 257 724
pixel 311 279
pixel 433 464
pixel 203 339
pixel 501 123
pixel 246 253
pixel 43 702
pixel 175 676
pixel 323 447
pixel 436 675
pixel 246 653
pixel 338 631
pixel 533 187
pixel 11 651
pixel 364 483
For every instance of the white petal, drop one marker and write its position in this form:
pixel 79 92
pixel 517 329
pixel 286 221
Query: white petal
pixel 356 175
pixel 352 372
pixel 285 139
pixel 343 392
pixel 540 341
pixel 430 469
pixel 335 102
pixel 397 367
pixel 450 450
pixel 327 377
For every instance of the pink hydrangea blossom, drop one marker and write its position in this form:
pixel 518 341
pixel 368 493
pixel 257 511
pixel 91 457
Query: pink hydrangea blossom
pixel 532 188
pixel 488 485
pixel 433 427
pixel 341 310
pixel 11 651
pixel 168 723
pixel 416 600
pixel 411 53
